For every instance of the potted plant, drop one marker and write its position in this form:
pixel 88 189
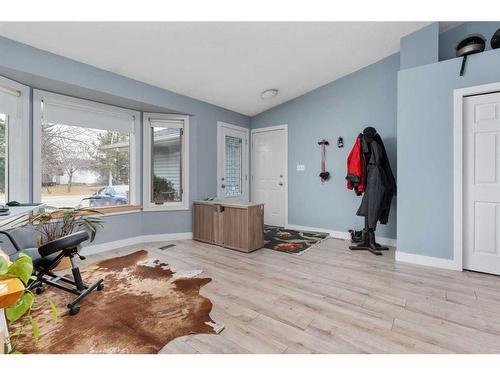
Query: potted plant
pixel 52 223
pixel 17 299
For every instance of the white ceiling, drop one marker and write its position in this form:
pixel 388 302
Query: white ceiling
pixel 226 64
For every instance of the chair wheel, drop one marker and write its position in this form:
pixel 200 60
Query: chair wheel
pixel 39 290
pixel 73 310
pixel 100 286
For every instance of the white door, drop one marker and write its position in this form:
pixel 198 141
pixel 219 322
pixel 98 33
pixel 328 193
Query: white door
pixel 482 183
pixel 232 165
pixel 269 173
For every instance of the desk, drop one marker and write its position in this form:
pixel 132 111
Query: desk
pixel 17 211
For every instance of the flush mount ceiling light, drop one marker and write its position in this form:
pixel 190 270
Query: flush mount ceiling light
pixel 269 94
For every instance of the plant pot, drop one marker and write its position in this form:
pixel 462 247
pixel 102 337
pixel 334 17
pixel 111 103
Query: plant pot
pixel 10 291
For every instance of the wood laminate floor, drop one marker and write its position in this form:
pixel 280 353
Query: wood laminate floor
pixel 332 300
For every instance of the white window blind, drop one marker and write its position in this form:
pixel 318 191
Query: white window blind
pixel 167 123
pixel 78 114
pixel 9 100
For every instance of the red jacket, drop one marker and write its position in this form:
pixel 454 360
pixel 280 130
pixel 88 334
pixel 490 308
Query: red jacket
pixel 356 169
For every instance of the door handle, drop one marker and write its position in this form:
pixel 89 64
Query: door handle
pixel 280 184
pixel 223 186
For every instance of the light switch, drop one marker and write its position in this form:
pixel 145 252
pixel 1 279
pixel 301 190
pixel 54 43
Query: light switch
pixel 301 167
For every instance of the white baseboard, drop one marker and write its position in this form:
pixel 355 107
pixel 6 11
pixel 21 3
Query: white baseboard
pixel 106 246
pixel 424 260
pixel 341 235
pixel 400 256
pixel 421 260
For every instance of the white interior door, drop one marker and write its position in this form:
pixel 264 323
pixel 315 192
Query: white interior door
pixel 482 183
pixel 269 174
pixel 232 165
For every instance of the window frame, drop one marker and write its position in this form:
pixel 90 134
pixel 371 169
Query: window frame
pixel 134 141
pixel 245 163
pixel 17 172
pixel 147 163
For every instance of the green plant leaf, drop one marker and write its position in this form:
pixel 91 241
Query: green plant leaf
pixel 34 329
pixel 53 309
pixel 18 333
pixel 22 268
pixel 21 307
pixel 4 266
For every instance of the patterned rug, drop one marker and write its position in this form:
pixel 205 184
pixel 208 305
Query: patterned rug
pixel 143 306
pixel 289 240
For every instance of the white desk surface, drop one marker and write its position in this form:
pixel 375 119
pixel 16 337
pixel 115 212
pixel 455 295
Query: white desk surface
pixel 17 211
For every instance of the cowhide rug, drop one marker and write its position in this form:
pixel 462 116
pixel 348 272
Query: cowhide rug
pixel 143 306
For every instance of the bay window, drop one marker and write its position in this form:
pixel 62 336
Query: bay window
pixel 165 162
pixel 84 153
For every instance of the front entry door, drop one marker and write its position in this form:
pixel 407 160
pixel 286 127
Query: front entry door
pixel 482 183
pixel 269 173
pixel 232 168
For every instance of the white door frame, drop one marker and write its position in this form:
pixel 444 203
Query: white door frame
pixel 458 179
pixel 246 150
pixel 266 129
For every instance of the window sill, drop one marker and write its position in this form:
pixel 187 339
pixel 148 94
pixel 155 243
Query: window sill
pixel 117 210
pixel 165 208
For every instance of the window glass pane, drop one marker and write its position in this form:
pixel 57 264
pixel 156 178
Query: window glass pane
pixel 166 165
pixel 3 157
pixel 233 166
pixel 80 164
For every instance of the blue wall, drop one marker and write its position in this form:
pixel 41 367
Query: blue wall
pixel 449 39
pixel 425 150
pixel 339 109
pixel 48 71
pixel 418 99
pixel 420 47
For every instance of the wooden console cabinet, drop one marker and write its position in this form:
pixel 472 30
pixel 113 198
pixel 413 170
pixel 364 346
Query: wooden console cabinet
pixel 237 226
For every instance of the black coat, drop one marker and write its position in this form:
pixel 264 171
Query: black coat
pixel 380 184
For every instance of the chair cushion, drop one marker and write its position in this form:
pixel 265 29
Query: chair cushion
pixel 38 260
pixel 67 242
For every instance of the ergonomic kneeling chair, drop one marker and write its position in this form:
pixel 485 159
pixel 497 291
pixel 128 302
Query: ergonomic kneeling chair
pixel 49 255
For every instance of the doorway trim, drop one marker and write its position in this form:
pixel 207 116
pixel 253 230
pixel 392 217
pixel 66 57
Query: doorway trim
pixel 283 127
pixel 458 173
pixel 220 125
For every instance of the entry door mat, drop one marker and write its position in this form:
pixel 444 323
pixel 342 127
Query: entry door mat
pixel 289 240
pixel 143 306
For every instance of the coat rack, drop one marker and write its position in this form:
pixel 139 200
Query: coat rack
pixel 376 201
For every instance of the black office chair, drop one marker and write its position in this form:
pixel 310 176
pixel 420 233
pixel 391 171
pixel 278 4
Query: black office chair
pixel 49 255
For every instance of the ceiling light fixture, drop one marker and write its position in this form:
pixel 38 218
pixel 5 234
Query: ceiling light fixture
pixel 269 94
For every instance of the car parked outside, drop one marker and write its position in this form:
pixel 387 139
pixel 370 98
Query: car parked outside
pixel 110 196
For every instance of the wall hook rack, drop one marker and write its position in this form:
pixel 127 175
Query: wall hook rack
pixel 324 175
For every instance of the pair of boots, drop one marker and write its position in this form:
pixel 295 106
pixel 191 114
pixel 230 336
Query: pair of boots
pixel 366 241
